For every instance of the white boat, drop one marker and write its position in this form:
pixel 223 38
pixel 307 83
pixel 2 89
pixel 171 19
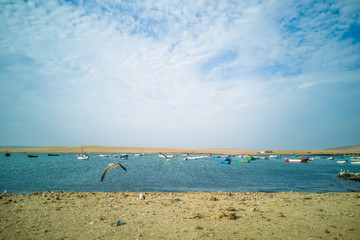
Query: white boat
pixel 331 158
pixel 139 154
pixel 342 161
pixel 356 162
pixel 83 157
pixel 104 155
pixel 274 156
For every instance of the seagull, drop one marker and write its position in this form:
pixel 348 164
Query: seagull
pixel 168 159
pixel 113 165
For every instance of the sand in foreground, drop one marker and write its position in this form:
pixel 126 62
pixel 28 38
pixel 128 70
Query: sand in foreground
pixel 180 215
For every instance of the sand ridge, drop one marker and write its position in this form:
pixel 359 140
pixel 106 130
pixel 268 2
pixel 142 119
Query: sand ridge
pixel 101 149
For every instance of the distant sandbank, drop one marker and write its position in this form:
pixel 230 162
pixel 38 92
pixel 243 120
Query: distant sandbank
pixel 102 149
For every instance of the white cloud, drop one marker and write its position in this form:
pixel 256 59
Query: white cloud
pixel 156 66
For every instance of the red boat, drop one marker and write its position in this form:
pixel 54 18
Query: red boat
pixel 297 160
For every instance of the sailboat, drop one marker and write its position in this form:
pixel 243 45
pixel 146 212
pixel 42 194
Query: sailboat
pixel 7 154
pixel 139 154
pixel 82 155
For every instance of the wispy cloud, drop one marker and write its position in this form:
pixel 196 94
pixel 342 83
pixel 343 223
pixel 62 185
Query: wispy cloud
pixel 138 72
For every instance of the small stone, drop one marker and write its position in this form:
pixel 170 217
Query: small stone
pixel 213 198
pixel 268 219
pixel 232 216
pixel 198 228
pixel 217 217
pixel 91 223
pixel 326 231
pixel 230 209
pixel 118 223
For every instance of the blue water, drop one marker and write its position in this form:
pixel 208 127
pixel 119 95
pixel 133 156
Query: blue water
pixel 20 174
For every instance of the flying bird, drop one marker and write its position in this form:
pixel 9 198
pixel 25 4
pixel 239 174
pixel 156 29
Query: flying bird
pixel 168 158
pixel 113 165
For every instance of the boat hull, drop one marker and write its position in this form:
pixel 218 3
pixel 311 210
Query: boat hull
pixel 297 160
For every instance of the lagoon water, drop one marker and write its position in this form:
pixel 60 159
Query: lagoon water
pixel 150 173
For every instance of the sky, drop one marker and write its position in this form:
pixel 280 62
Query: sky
pixel 261 75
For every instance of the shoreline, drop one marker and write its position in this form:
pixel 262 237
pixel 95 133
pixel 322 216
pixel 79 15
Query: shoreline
pixel 150 150
pixel 186 215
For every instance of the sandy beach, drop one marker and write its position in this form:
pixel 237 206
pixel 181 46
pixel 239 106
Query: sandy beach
pixel 190 215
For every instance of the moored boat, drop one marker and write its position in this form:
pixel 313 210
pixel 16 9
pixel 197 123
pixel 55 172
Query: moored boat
pixel 297 160
pixel 53 154
pixel 342 161
pixel 245 161
pixel 330 158
pixel 104 155
pixel 227 160
pixel 122 156
pixel 32 156
pixel 83 156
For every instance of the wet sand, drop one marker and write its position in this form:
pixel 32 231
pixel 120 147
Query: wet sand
pixel 190 215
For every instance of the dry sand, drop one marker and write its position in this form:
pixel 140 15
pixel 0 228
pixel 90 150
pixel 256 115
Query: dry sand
pixel 190 215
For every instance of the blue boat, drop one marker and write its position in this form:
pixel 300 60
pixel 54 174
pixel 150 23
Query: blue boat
pixel 122 156
pixel 227 160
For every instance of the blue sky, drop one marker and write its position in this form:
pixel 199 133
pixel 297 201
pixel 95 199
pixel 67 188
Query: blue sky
pixel 190 74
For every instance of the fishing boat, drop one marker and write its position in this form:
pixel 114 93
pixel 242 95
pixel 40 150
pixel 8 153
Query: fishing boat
pixel 104 155
pixel 297 160
pixel 7 154
pixel 122 156
pixel 227 160
pixel 342 161
pixel 32 156
pixel 82 156
pixel 275 156
pixel 53 154
pixel 245 161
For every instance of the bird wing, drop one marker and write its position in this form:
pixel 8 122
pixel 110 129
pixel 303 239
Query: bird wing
pixel 107 169
pixel 122 166
pixel 164 155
